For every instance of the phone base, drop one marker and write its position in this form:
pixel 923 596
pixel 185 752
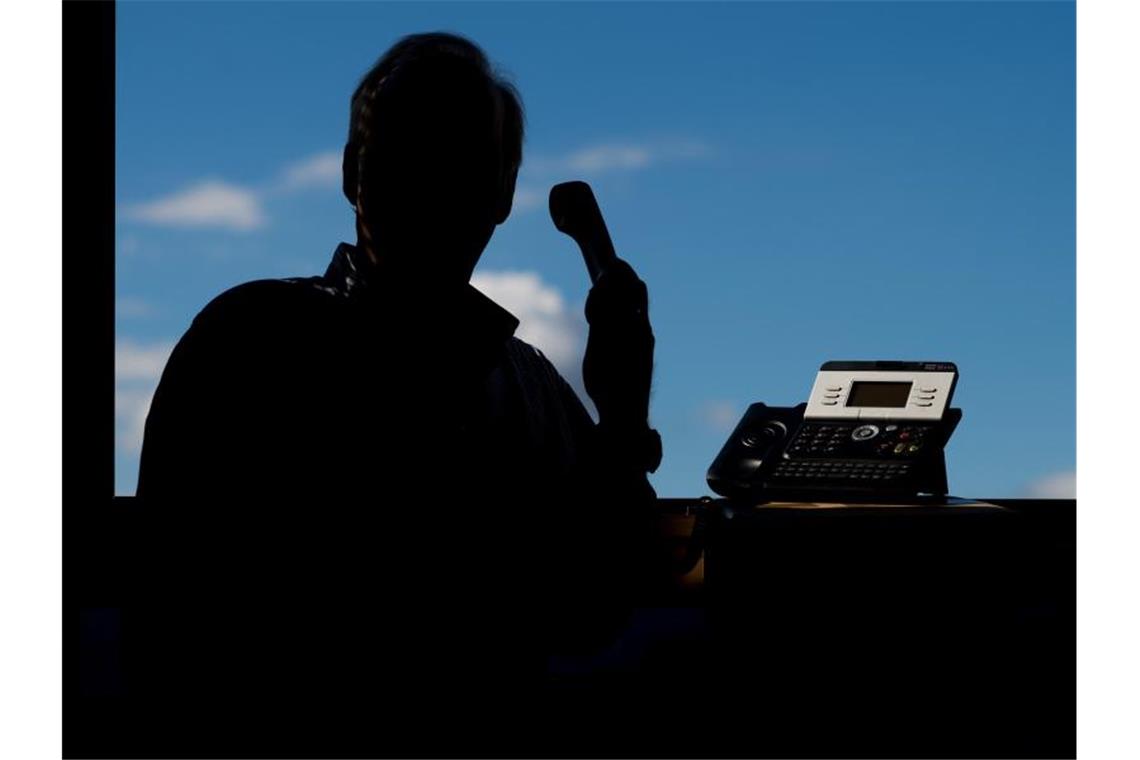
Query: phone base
pixel 763 461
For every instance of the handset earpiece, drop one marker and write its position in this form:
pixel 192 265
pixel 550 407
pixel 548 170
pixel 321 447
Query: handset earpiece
pixel 575 212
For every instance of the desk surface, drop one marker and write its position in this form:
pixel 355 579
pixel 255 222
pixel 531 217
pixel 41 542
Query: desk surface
pixel 816 635
pixel 1028 506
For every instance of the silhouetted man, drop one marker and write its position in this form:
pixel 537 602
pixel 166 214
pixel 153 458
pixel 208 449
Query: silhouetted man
pixel 378 436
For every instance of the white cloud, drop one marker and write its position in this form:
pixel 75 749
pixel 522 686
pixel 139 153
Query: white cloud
pixel 138 367
pixel 719 416
pixel 545 321
pixel 223 205
pixel 321 170
pixel 211 203
pixel 1060 485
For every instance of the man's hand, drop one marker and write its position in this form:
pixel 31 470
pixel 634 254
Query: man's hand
pixel 618 366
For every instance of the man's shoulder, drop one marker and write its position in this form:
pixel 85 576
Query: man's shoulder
pixel 257 298
pixel 261 318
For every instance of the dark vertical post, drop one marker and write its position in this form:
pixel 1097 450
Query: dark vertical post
pixel 88 192
pixel 88 252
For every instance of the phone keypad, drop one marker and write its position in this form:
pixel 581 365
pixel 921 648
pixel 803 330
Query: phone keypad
pixel 832 472
pixel 820 439
pixel 880 440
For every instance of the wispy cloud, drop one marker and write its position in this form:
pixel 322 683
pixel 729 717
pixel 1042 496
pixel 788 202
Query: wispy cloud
pixel 718 416
pixel 609 158
pixel 616 157
pixel 1059 485
pixel 211 203
pixel 593 161
pixel 322 170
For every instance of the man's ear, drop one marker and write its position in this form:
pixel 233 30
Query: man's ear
pixel 506 196
pixel 349 171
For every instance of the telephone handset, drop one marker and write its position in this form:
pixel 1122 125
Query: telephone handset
pixel 575 212
pixel 870 431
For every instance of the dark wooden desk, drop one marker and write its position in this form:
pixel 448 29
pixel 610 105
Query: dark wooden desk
pixel 860 631
pixel 796 633
pixel 903 631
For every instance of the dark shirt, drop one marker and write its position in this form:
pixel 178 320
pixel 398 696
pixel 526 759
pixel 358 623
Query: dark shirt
pixel 333 387
pixel 408 464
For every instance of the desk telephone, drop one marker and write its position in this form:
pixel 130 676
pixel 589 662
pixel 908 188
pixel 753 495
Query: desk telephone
pixel 870 431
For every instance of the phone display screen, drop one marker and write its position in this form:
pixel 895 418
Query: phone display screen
pixel 878 394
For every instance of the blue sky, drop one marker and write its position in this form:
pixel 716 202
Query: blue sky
pixel 796 182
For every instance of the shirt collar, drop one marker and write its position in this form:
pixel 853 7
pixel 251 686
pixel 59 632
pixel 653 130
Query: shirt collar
pixel 353 275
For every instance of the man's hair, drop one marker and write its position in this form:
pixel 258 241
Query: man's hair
pixel 436 50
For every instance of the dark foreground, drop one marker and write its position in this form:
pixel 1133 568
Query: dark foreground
pixel 891 632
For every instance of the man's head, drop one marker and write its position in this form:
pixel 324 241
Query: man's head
pixel 434 147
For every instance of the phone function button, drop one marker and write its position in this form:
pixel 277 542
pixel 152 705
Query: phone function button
pixel 927 390
pixel 833 390
pixel 831 395
pixel 925 398
pixel 923 403
pixel 865 432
